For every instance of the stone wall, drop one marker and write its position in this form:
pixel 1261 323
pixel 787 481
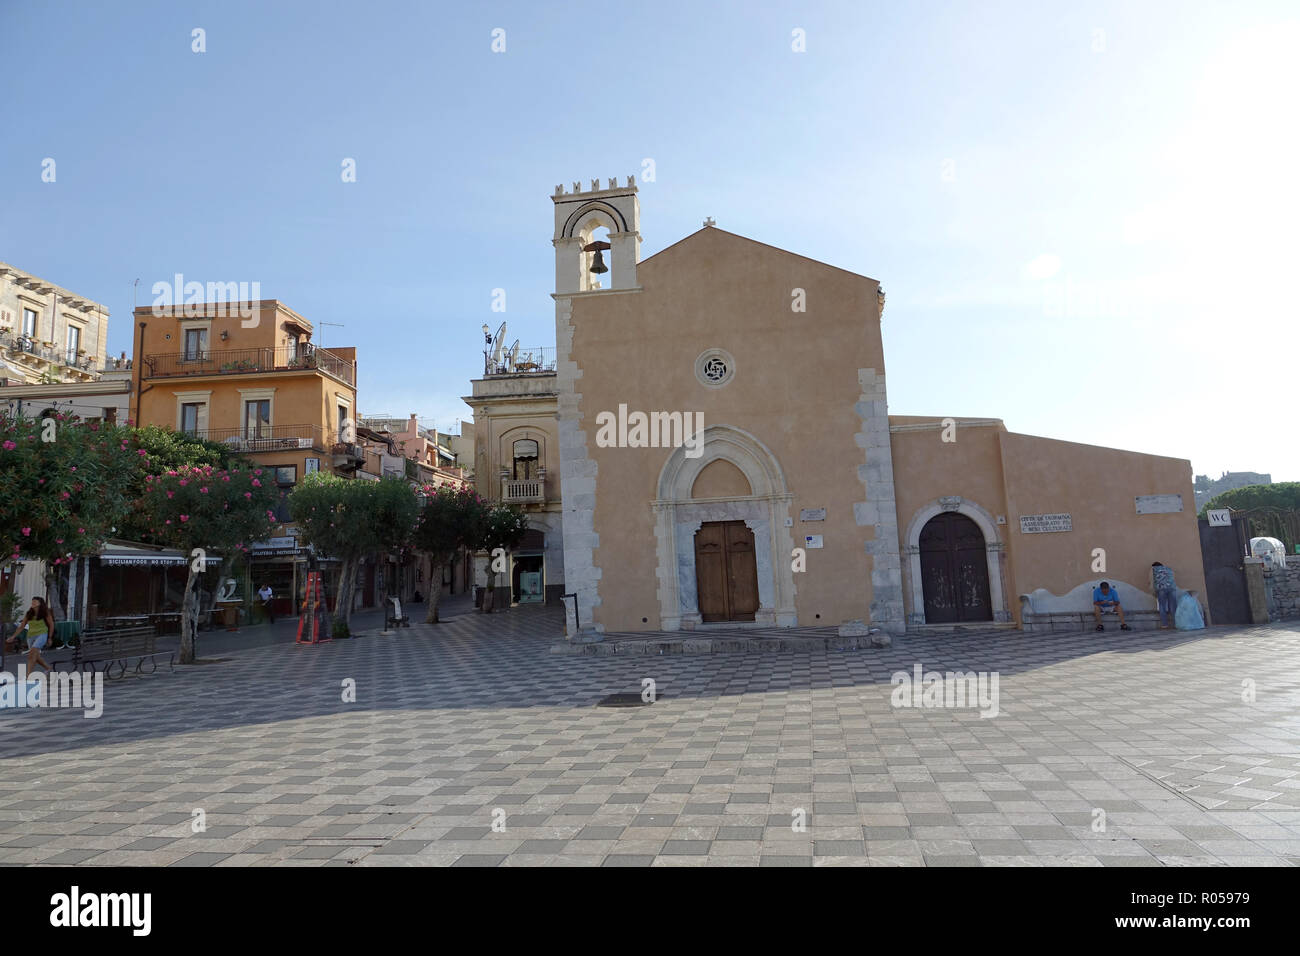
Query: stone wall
pixel 1282 588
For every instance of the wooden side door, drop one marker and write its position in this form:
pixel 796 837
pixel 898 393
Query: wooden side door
pixel 742 572
pixel 711 572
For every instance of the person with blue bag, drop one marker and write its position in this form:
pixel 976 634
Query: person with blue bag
pixel 1162 580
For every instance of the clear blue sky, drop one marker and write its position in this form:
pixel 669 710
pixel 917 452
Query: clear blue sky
pixel 1084 215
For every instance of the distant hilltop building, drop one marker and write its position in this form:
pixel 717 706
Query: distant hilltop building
pixel 1207 488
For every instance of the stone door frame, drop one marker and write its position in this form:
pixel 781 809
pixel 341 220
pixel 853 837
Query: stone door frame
pixel 678 516
pixel 994 549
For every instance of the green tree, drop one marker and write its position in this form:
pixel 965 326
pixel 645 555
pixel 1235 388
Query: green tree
pixel 504 528
pixel 450 520
pixel 348 518
pixel 204 511
pixel 1271 511
pixel 64 487
pixel 1280 496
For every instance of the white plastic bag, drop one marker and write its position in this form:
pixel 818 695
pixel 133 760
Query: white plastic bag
pixel 1187 614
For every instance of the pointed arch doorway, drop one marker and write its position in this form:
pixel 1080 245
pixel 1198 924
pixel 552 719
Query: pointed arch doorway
pixel 954 570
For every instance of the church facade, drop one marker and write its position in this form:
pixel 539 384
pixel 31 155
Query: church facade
pixel 727 457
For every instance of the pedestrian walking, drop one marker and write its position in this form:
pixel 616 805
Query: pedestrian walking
pixel 39 622
pixel 1162 580
pixel 265 594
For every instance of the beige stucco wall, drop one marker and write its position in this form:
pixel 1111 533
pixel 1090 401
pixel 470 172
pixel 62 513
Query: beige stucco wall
pixel 795 389
pixel 1008 475
pixel 1097 487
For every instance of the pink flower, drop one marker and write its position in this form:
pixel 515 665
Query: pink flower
pixel 65 495
pixel 73 468
pixel 256 483
pixel 10 446
pixel 81 531
pixel 171 494
pixel 183 482
pixel 248 494
pixel 142 452
pixel 169 521
pixel 225 477
pixel 185 517
pixel 27 532
pixel 203 491
pixel 58 541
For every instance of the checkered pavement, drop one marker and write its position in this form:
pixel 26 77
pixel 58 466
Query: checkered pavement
pixel 790 758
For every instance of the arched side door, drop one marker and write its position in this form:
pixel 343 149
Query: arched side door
pixel 954 570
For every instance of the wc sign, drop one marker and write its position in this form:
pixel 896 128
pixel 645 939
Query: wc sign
pixel 1220 519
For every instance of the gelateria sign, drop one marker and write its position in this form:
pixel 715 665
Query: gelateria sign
pixel 1042 524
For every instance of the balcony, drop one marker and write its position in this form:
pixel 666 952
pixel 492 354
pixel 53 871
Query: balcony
pixel 46 359
pixel 525 361
pixel 246 361
pixel 269 438
pixel 525 491
pixel 349 456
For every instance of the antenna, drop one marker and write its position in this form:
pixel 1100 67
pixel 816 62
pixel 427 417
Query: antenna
pixel 337 325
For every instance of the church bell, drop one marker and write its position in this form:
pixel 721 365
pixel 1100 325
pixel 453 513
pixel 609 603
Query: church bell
pixel 598 263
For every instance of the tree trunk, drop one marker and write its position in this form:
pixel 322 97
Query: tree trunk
pixel 435 591
pixel 343 596
pixel 189 616
pixel 55 592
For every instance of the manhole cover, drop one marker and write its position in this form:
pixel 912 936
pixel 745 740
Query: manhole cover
pixel 627 700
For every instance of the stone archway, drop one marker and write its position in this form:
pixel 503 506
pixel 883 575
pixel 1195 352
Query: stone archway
pixel 994 549
pixel 678 516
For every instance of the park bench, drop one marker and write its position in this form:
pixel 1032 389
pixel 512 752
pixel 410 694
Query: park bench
pixel 1042 612
pixel 117 648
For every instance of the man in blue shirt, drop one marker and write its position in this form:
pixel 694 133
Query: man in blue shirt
pixel 1105 600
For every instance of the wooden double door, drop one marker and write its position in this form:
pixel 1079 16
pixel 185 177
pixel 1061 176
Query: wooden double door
pixel 954 570
pixel 726 572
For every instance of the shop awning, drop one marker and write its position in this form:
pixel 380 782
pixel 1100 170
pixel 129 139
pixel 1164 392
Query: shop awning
pixel 119 555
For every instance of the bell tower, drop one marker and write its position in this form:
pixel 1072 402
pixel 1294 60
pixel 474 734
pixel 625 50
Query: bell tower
pixel 577 250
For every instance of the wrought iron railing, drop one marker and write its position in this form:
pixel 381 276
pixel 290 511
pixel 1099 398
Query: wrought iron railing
pixel 525 360
pixel 269 437
pixel 19 345
pixel 235 361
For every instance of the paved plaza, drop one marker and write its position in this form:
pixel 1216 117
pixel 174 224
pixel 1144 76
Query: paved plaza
pixel 1115 749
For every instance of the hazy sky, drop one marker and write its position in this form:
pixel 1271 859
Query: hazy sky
pixel 1085 215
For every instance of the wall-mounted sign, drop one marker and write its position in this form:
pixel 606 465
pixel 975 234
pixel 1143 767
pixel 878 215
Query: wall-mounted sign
pixel 1042 524
pixel 1158 504
pixel 1219 518
pixel 812 540
pixel 812 514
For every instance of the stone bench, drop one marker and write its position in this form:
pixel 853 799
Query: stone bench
pixel 1043 612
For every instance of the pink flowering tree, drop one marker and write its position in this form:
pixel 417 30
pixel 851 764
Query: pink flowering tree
pixel 210 514
pixel 64 489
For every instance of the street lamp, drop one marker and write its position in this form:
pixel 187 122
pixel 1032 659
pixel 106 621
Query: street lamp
pixel 487 344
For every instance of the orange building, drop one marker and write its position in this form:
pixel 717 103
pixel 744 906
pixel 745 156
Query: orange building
pixel 248 375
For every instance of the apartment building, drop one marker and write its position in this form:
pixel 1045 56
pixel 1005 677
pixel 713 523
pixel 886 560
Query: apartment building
pixel 251 378
pixel 48 334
